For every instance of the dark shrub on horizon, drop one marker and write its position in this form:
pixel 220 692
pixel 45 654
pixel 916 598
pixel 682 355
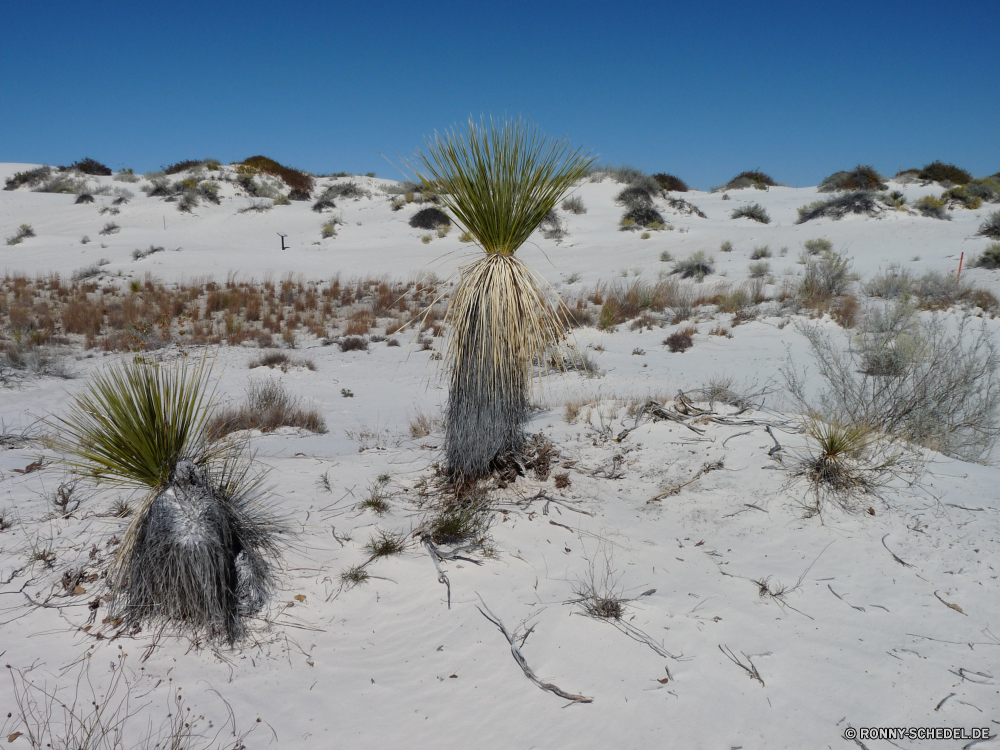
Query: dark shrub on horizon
pixel 862 177
pixel 670 182
pixel 750 179
pixel 89 166
pixel 940 172
pixel 183 166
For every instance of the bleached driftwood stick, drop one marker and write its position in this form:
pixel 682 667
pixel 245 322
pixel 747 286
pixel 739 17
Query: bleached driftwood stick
pixel 523 664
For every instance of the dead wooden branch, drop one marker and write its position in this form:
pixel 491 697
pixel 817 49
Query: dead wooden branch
pixel 523 664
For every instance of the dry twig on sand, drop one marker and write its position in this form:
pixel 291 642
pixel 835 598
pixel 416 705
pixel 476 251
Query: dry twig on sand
pixel 523 664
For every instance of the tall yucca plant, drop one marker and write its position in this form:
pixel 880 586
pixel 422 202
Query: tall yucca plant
pixel 499 181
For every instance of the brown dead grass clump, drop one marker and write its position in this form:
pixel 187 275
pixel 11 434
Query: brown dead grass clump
pixel 266 408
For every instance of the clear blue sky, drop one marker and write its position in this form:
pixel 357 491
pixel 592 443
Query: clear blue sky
pixel 700 89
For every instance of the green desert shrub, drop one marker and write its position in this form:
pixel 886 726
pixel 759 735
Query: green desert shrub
pixel 754 212
pixel 635 196
pixel 862 177
pixel 818 246
pixel 989 259
pixel 183 166
pixel 697 266
pixel 759 269
pixel 931 380
pixel 643 215
pixel 23 232
pixel 932 208
pixel 858 202
pixel 750 179
pixel 938 171
pixel 324 203
pixel 29 178
pixel 990 227
pixel 430 218
pixel 349 189
pixel 988 189
pixel 89 166
pixel 681 206
pixel 670 183
pixel 959 196
pixel 762 251
pixel 574 205
pixel 825 277
pixel 896 282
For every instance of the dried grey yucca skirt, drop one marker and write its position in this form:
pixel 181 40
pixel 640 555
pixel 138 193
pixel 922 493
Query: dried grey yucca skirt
pixel 198 557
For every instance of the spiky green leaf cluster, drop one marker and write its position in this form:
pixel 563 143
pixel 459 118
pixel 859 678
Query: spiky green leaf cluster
pixel 499 181
pixel 135 421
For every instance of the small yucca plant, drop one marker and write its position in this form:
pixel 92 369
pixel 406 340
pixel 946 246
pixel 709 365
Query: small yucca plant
pixel 200 547
pixel 499 182
pixel 846 460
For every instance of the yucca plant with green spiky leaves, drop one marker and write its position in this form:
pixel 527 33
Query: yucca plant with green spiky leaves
pixel 498 181
pixel 847 460
pixel 200 550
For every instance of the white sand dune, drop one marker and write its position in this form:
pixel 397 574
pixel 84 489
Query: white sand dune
pixel 858 639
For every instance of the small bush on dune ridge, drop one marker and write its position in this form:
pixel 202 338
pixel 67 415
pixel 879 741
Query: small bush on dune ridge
pixel 89 166
pixel 990 227
pixel 670 183
pixel 574 205
pixel 430 218
pixel 858 202
pixel 301 184
pixel 186 165
pixel 31 178
pixel 928 381
pixel 938 171
pixel 860 178
pixel 750 179
pixel 754 212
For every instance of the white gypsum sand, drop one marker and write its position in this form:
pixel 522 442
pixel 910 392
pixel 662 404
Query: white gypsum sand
pixel 848 618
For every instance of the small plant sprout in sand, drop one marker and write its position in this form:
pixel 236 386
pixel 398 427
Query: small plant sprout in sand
pixel 499 181
pixel 200 549
pixel 846 461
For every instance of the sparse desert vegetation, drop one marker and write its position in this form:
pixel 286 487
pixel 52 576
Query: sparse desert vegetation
pixel 753 391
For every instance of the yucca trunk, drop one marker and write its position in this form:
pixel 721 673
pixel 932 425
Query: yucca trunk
pixel 501 324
